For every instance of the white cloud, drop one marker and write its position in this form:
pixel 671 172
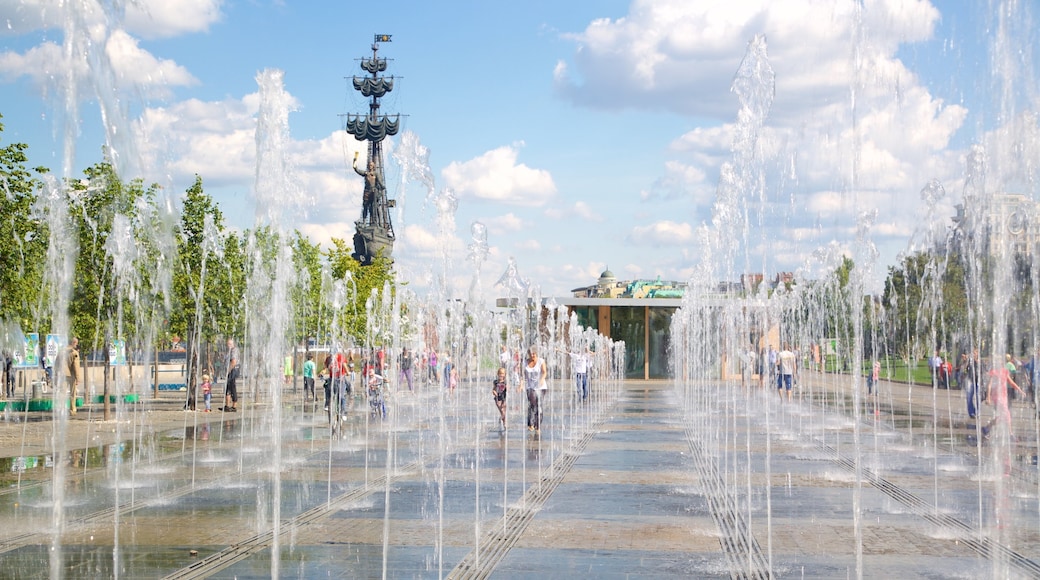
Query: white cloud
pixel 167 18
pixel 503 223
pixel 496 176
pixel 217 140
pixel 131 69
pixel 663 233
pixel 681 57
pixel 579 210
pixel 529 245
pixel 681 181
pixel 140 69
pixel 147 18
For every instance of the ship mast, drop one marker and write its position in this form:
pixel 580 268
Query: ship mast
pixel 374 232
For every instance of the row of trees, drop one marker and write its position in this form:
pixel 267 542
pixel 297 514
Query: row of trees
pixel 953 297
pixel 142 270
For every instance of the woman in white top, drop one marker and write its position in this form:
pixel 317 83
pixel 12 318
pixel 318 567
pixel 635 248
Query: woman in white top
pixel 534 383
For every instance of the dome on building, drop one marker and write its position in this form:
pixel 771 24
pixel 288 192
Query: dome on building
pixel 607 277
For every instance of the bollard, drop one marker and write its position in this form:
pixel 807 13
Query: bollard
pixel 35 390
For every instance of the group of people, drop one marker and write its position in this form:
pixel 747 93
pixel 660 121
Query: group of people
pixel 339 375
pixel 1000 387
pixel 531 374
pixel 778 367
pixel 534 373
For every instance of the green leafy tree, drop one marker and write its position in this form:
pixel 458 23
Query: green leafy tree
pixel 362 280
pixel 94 204
pixel 306 292
pixel 208 279
pixel 23 237
pixel 926 297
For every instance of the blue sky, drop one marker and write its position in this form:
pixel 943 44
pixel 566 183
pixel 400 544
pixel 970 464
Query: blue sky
pixel 584 134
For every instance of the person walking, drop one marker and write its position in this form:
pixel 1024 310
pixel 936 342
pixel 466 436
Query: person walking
pixel 308 377
pixel 787 369
pixel 431 363
pixel 1000 383
pixel 8 374
pixel 207 392
pixel 580 362
pixel 970 375
pixel 72 371
pixel 535 387
pixel 405 363
pixel 231 387
pixel 498 391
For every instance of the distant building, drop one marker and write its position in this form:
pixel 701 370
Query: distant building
pixel 608 286
pixel 1001 222
pixel 639 312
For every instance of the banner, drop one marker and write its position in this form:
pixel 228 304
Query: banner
pixel 54 346
pixel 117 353
pixel 30 354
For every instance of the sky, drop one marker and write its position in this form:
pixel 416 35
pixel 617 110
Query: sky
pixel 685 140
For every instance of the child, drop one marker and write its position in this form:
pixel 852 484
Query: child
pixel 207 389
pixel 498 390
pixel 375 393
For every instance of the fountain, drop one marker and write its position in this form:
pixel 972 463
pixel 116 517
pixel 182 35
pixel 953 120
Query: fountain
pixel 836 482
pixel 897 450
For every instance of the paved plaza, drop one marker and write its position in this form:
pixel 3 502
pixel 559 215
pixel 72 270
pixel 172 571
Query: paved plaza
pixel 648 480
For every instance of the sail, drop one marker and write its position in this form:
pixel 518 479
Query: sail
pixel 373 65
pixel 372 128
pixel 370 87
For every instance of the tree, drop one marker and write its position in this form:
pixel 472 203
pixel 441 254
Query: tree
pixel 207 295
pixel 96 205
pixel 23 237
pixel 306 293
pixel 362 280
pixel 926 297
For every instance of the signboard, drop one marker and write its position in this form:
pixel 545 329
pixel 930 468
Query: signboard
pixel 30 354
pixel 54 345
pixel 117 353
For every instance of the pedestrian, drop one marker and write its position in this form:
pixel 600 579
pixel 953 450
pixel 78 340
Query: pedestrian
pixel 207 392
pixel 449 369
pixel 535 387
pixel 431 362
pixel 404 362
pixel 788 364
pixel 999 381
pixel 935 369
pixel 580 363
pixel 1032 373
pixel 8 374
pixel 773 358
pixel 231 387
pixel 973 382
pixel 72 371
pixel 498 391
pixel 287 369
pixel 1012 368
pixel 341 382
pixel 326 376
pixel 308 377
pixel 872 377
pixel 376 402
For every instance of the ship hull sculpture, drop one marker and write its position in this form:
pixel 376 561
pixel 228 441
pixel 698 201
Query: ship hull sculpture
pixel 374 232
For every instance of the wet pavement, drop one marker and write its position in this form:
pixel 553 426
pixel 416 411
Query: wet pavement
pixel 650 479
